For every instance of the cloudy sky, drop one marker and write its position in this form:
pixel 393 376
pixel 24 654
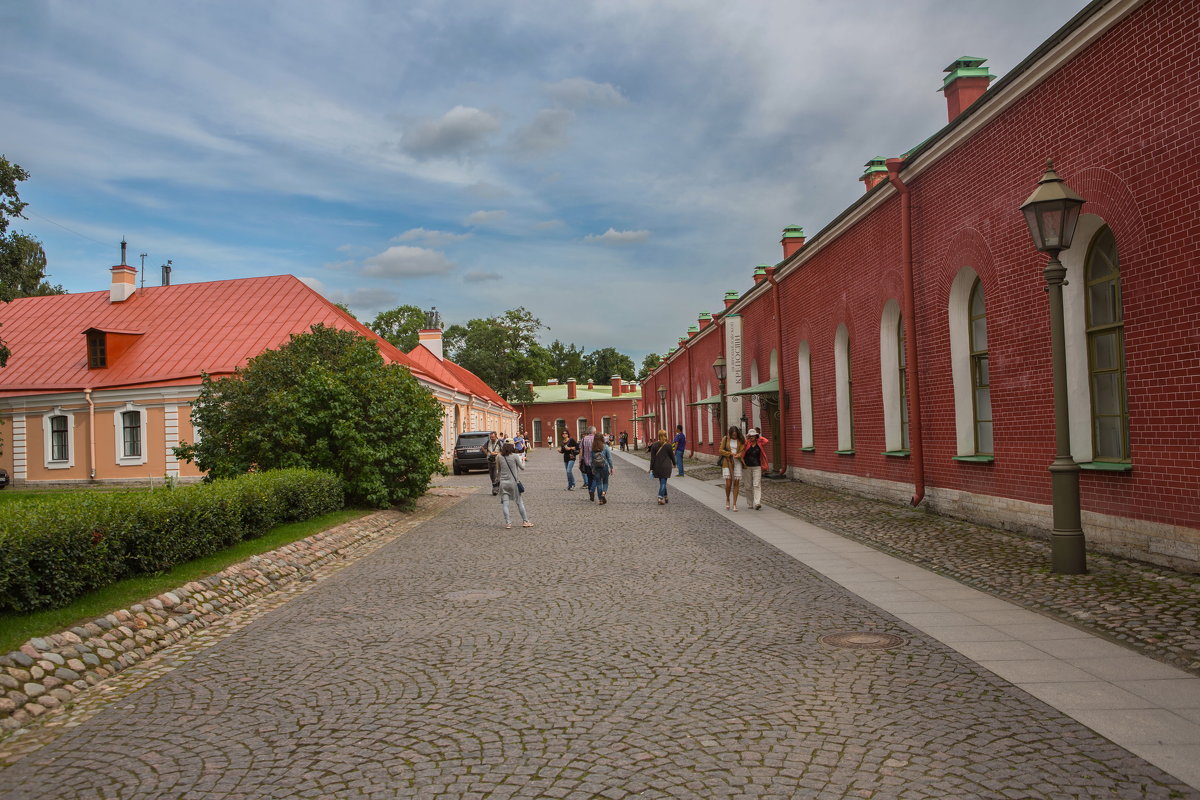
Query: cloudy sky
pixel 613 166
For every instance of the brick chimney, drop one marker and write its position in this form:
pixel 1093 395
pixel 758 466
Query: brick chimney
pixel 731 299
pixel 704 320
pixel 693 330
pixel 875 174
pixel 432 339
pixel 570 388
pixel 793 240
pixel 591 384
pixel 124 280
pixel 966 81
pixel 760 274
pixel 615 380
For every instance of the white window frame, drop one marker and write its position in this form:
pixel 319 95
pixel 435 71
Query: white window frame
pixel 959 321
pixel 845 405
pixel 47 437
pixel 119 436
pixel 804 360
pixel 708 411
pixel 889 374
pixel 1079 393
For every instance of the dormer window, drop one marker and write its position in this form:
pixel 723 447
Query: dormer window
pixel 97 350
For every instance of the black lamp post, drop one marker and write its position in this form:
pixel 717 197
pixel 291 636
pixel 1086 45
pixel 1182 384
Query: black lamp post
pixel 662 406
pixel 719 369
pixel 636 424
pixel 1051 213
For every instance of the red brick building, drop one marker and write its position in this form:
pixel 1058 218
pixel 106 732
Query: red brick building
pixel 572 407
pixel 904 350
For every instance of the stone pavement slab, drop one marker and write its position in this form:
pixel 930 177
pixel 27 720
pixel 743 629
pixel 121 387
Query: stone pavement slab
pixel 617 651
pixel 1084 676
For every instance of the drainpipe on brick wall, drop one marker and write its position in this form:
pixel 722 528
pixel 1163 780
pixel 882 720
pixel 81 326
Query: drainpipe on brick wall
pixel 781 467
pixel 686 391
pixel 87 395
pixel 916 451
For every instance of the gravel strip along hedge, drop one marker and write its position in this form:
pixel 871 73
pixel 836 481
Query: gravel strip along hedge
pixel 49 671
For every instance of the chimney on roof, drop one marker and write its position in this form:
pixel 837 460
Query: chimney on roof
pixel 875 174
pixel 570 388
pixel 166 273
pixel 704 320
pixel 431 334
pixel 591 384
pixel 760 274
pixel 731 299
pixel 615 380
pixel 124 280
pixel 966 81
pixel 793 240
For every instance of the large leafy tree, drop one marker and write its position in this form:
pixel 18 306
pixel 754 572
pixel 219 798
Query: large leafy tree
pixel 501 350
pixel 602 364
pixel 22 259
pixel 649 364
pixel 400 325
pixel 324 400
pixel 566 361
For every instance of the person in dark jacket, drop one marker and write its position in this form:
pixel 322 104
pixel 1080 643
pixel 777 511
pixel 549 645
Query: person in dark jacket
pixel 662 461
pixel 570 451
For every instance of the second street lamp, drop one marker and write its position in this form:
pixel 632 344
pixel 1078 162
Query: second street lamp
pixel 719 370
pixel 1051 213
pixel 662 406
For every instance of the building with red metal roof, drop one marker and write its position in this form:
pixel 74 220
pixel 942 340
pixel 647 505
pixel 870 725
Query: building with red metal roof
pixel 99 384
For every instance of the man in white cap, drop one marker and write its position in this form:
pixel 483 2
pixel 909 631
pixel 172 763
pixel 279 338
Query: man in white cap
pixel 755 460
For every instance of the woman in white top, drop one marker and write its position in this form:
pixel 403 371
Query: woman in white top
pixel 733 448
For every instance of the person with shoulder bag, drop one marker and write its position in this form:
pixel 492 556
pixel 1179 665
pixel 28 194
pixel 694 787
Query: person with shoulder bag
pixel 491 449
pixel 509 464
pixel 662 461
pixel 755 458
pixel 569 450
pixel 602 467
pixel 585 461
pixel 733 449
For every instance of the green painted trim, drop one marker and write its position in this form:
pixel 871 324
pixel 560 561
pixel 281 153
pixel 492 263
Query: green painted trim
pixel 808 449
pixel 895 453
pixel 1107 466
pixel 844 452
pixel 975 459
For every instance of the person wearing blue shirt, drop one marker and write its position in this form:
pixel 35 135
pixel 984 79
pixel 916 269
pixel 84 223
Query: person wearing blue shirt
pixel 680 446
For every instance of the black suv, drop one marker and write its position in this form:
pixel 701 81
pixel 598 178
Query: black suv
pixel 467 455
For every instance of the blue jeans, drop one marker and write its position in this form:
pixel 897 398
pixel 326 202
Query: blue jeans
pixel 679 460
pixel 571 474
pixel 600 478
pixel 662 487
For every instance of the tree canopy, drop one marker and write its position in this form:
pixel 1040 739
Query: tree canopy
pixel 600 365
pixel 649 364
pixel 500 350
pixel 325 400
pixel 400 325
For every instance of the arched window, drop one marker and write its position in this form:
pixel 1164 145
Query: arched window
pixel 981 391
pixel 1106 350
pixel 902 377
pixel 845 390
pixel 806 410
pixel 892 369
pixel 710 413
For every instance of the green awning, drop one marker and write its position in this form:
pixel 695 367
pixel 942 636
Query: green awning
pixel 715 400
pixel 770 387
pixel 644 416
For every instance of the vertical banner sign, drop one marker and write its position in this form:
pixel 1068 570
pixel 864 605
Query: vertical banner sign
pixel 733 372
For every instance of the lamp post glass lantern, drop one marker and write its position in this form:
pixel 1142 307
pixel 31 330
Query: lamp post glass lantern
pixel 1051 213
pixel 662 407
pixel 719 371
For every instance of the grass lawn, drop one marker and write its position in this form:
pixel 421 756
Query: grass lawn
pixel 16 628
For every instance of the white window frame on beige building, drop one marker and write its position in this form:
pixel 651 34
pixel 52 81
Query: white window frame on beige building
pixel 58 411
pixel 118 432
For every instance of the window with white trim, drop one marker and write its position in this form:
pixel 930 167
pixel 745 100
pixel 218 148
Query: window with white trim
pixel 58 437
pixel 892 368
pixel 129 426
pixel 981 380
pixel 804 357
pixel 845 389
pixel 1106 349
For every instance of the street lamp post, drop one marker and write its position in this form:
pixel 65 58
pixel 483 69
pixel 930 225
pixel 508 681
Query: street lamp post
pixel 636 424
pixel 662 406
pixel 719 369
pixel 1051 213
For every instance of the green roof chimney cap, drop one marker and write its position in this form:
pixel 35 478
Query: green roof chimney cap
pixel 732 295
pixel 705 315
pixel 876 164
pixel 793 232
pixel 965 67
pixel 760 270
pixel 693 328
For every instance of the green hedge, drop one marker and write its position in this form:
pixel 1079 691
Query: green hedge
pixel 57 548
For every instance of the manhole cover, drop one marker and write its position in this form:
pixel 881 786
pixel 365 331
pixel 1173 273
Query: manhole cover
pixel 474 594
pixel 863 640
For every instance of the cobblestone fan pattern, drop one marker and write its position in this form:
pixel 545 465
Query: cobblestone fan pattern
pixel 47 672
pixel 618 651
pixel 1152 609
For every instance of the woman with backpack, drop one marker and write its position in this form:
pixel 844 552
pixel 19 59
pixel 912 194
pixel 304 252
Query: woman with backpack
pixel 602 467
pixel 733 450
pixel 662 461
pixel 510 487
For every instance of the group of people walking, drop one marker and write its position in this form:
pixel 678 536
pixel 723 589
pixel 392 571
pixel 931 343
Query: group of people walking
pixel 740 456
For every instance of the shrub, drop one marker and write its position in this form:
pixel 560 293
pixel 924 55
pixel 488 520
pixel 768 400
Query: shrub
pixel 57 548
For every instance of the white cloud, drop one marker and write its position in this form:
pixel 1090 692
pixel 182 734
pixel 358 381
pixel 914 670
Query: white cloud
pixel 581 92
pixel 549 225
pixel 366 298
pixel 546 133
pixel 488 191
pixel 484 217
pixel 611 236
pixel 480 276
pixel 402 261
pixel 430 237
pixel 459 131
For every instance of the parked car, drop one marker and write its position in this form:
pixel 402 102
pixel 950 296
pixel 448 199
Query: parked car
pixel 3 478
pixel 467 455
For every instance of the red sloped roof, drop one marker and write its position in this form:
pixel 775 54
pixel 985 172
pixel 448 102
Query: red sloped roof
pixel 187 329
pixel 456 375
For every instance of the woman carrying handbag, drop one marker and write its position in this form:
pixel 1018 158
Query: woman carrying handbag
pixel 733 450
pixel 510 487
pixel 662 461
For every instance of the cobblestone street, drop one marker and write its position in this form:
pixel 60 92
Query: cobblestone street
pixel 626 650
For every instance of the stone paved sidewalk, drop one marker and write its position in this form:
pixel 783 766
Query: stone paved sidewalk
pixel 1151 609
pixel 618 651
